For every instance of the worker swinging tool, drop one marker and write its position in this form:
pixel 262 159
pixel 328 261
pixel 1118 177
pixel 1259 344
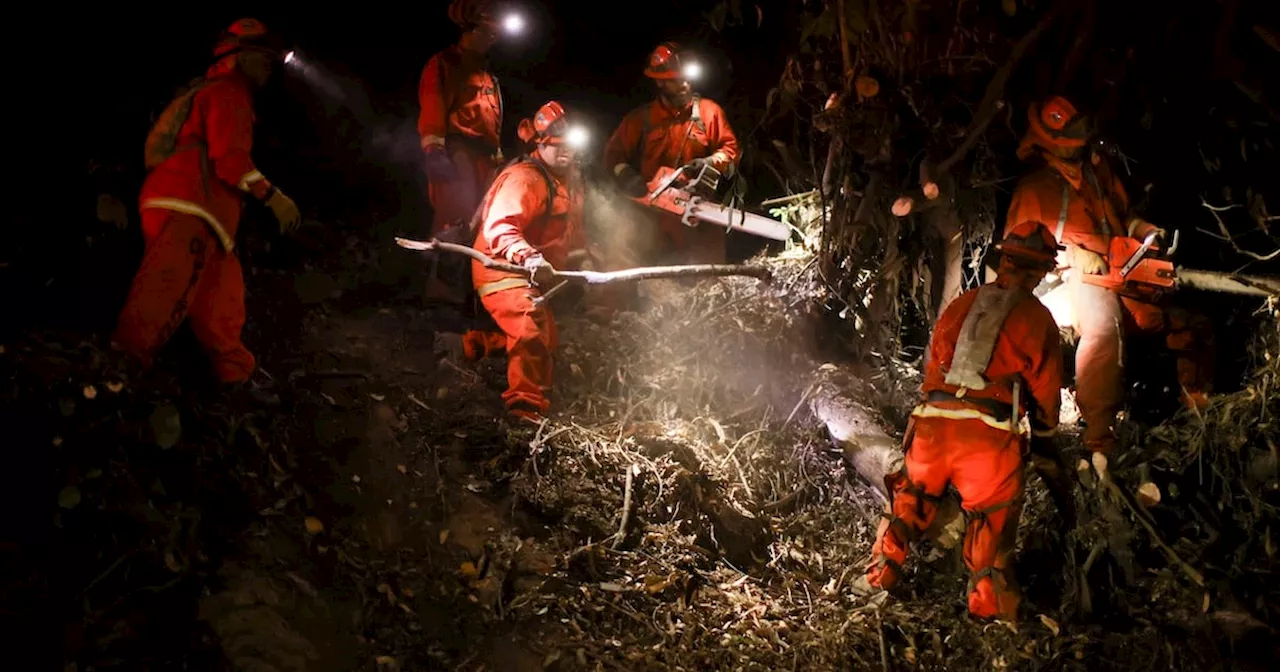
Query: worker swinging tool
pixel 528 228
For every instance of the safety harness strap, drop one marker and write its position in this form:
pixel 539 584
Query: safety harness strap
pixel 695 121
pixel 1062 213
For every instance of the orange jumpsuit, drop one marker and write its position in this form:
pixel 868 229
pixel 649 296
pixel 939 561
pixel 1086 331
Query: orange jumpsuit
pixel 461 111
pixel 1095 210
pixel 655 135
pixel 516 224
pixel 191 205
pixel 970 439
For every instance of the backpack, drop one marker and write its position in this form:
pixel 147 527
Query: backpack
pixel 163 138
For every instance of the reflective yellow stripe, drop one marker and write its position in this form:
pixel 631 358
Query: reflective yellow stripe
pixel 249 178
pixel 927 411
pixel 500 285
pixel 429 140
pixel 187 207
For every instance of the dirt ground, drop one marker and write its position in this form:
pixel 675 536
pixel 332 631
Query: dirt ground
pixel 678 511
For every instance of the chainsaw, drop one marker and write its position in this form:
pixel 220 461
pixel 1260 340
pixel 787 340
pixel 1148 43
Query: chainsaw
pixel 686 192
pixel 1141 270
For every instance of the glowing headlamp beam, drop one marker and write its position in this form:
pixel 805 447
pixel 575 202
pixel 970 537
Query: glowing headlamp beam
pixel 691 71
pixel 289 57
pixel 576 137
pixel 513 24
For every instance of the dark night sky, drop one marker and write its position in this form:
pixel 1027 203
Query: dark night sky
pixel 586 54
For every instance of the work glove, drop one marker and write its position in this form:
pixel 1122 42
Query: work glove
pixel 692 168
pixel 285 210
pixel 1139 228
pixel 439 166
pixel 1086 261
pixel 630 182
pixel 541 271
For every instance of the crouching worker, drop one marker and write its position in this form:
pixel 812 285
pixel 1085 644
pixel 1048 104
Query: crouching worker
pixel 191 201
pixel 995 354
pixel 532 217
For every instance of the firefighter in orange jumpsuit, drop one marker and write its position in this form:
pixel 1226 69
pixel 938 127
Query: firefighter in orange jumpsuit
pixel 995 355
pixel 1075 191
pixel 460 128
pixel 191 204
pixel 532 217
pixel 678 128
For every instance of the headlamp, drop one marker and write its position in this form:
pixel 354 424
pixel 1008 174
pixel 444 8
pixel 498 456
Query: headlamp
pixel 289 56
pixel 691 71
pixel 513 24
pixel 576 137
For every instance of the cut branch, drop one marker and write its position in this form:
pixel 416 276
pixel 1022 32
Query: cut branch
pixel 597 277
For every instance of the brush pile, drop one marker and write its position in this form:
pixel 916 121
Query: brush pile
pixel 704 519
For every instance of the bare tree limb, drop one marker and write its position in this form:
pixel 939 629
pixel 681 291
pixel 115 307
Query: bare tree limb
pixel 992 100
pixel 1226 233
pixel 844 45
pixel 596 277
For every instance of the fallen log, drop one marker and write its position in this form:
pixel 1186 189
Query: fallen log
pixel 856 429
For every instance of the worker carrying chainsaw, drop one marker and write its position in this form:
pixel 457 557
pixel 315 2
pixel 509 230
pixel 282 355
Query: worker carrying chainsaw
pixel 1074 188
pixel 198 155
pixel 679 128
pixel 531 216
pixel 460 128
pixel 994 356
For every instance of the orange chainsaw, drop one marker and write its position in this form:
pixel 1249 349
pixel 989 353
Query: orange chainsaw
pixel 687 193
pixel 1141 270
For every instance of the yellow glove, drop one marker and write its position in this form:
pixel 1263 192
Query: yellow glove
pixel 1085 261
pixel 1140 228
pixel 285 210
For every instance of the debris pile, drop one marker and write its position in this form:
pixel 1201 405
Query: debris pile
pixel 703 516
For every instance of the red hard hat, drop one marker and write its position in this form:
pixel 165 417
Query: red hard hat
pixel 1030 245
pixel 664 62
pixel 243 34
pixel 1056 124
pixel 548 125
pixel 470 13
